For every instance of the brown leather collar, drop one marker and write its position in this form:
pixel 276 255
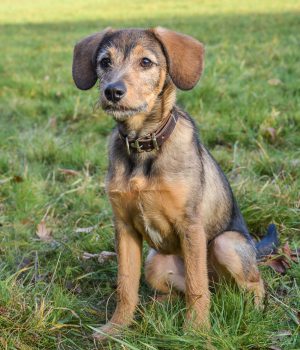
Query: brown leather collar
pixel 151 141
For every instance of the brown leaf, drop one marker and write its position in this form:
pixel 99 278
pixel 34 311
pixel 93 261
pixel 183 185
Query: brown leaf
pixel 3 310
pixel 69 172
pixel 282 261
pixel 287 250
pixel 43 232
pixel 26 222
pixel 274 82
pixel 17 179
pixel 274 347
pixel 276 264
pixel 292 255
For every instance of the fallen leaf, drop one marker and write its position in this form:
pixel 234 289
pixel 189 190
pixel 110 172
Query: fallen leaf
pixel 106 256
pixel 276 264
pixel 88 256
pixel 274 82
pixel 3 311
pixel 281 261
pixel 274 347
pixel 287 250
pixel 70 172
pixel 26 222
pixel 272 133
pixel 86 229
pixel 293 255
pixel 102 257
pixel 17 179
pixel 43 232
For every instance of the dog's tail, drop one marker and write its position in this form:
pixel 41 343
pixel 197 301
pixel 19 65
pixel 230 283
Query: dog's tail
pixel 269 242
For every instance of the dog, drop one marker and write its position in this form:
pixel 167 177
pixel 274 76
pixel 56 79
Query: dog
pixel 163 184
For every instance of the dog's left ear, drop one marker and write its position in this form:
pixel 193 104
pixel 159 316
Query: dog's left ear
pixel 84 56
pixel 185 56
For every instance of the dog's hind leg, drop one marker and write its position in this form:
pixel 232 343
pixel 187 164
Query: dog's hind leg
pixel 164 272
pixel 232 254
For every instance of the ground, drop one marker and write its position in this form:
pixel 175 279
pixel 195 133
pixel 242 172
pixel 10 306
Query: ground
pixel 247 108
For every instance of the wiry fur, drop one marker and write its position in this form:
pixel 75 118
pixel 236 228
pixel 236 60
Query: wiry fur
pixel 176 198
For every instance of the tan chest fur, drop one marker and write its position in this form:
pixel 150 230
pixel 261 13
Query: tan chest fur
pixel 152 207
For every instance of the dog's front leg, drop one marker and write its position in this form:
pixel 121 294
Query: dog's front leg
pixel 194 249
pixel 129 251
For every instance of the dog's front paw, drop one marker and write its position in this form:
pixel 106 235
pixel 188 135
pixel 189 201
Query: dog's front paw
pixel 197 320
pixel 107 331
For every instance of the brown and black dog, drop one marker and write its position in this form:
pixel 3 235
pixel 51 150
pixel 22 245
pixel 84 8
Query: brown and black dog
pixel 163 184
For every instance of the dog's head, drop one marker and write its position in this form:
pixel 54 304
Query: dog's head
pixel 133 66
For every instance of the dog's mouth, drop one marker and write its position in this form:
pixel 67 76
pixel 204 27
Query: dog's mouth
pixel 121 113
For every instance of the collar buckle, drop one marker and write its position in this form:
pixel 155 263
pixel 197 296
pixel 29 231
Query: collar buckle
pixel 154 141
pixel 137 146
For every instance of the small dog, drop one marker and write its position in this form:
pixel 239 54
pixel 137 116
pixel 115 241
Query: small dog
pixel 163 184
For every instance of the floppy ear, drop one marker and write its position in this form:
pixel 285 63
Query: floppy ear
pixel 185 56
pixel 84 65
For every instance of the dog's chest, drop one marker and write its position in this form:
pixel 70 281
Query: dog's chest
pixel 150 227
pixel 152 207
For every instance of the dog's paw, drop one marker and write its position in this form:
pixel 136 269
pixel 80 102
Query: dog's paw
pixel 104 333
pixel 197 321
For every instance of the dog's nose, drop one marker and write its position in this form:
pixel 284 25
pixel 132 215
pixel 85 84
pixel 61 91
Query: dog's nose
pixel 115 91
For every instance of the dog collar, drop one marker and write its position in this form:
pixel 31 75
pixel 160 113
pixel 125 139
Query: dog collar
pixel 152 141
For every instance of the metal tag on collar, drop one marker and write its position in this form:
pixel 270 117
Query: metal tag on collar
pixel 127 146
pixel 154 142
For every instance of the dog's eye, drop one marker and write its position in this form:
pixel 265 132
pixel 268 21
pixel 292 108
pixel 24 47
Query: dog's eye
pixel 146 62
pixel 105 62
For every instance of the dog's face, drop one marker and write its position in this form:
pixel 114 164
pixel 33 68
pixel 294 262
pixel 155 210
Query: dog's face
pixel 132 66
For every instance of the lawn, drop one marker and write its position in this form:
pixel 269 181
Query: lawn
pixel 247 108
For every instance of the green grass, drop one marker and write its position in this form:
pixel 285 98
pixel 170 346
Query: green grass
pixel 50 298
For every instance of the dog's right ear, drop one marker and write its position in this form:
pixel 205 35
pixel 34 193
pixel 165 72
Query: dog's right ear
pixel 84 65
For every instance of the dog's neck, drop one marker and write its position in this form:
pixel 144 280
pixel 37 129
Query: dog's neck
pixel 146 123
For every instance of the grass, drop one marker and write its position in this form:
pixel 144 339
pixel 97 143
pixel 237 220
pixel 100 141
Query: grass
pixel 247 107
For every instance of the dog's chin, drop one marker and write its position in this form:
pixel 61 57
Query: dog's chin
pixel 120 113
